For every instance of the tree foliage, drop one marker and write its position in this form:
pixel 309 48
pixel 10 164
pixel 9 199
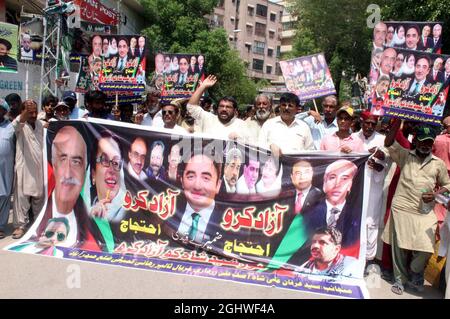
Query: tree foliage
pixel 179 26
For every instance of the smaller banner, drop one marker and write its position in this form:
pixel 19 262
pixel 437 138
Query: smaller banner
pixel 411 35
pixel 411 85
pixel 123 67
pixel 178 74
pixel 31 38
pixel 8 47
pixel 308 77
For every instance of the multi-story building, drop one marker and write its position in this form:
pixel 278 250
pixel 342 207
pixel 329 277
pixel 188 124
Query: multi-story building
pixel 254 29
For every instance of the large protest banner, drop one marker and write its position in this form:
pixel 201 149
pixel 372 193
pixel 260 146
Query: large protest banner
pixel 31 37
pixel 177 75
pixel 409 84
pixel 8 47
pixel 131 196
pixel 308 77
pixel 412 35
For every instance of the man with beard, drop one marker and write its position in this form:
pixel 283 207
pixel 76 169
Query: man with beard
pixel 96 104
pixel 322 125
pixel 153 117
pixel 223 125
pixel 231 169
pixel 284 133
pixel 156 169
pixel 326 258
pixel 263 111
pixel 411 227
pixel 374 176
pixel 29 179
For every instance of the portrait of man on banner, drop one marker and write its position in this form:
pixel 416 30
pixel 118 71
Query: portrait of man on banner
pixel 8 47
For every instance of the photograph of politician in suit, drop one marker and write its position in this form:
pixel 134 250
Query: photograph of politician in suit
pixel 198 216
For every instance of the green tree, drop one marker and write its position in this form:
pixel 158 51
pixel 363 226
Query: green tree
pixel 179 26
pixel 339 29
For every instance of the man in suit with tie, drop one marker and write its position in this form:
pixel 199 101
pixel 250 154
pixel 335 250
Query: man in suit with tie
pixel 447 71
pixel 201 182
pixel 183 72
pixel 334 211
pixel 425 41
pixel 436 75
pixel 307 68
pixel 123 55
pixel 247 182
pixel 306 195
pixel 422 69
pixel 437 40
pixel 141 47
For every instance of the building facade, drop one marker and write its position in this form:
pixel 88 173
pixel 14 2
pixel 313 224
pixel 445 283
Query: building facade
pixel 254 29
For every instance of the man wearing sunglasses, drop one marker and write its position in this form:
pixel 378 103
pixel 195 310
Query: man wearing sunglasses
pixel 170 114
pixel 55 234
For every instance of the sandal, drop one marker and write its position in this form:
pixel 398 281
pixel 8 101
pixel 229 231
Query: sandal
pixel 18 233
pixel 2 234
pixel 397 288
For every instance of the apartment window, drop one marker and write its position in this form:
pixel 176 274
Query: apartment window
pixel 258 65
pixel 278 69
pixel 221 3
pixel 288 25
pixel 251 11
pixel 278 51
pixel 261 10
pixel 268 69
pixel 260 29
pixel 270 52
pixel 273 17
pixel 248 46
pixel 249 29
pixel 259 47
pixel 271 34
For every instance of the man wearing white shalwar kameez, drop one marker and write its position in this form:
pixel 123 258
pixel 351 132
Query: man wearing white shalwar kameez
pixel 29 181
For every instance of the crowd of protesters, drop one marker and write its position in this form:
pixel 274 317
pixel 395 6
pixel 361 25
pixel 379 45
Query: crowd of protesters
pixel 409 163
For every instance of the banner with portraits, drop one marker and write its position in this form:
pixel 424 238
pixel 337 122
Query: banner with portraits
pixel 8 47
pixel 177 75
pixel 31 37
pixel 132 196
pixel 411 35
pixel 409 84
pixel 115 64
pixel 308 77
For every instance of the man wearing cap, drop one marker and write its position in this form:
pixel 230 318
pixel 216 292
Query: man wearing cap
pixel 6 62
pixel 374 175
pixel 343 140
pixel 411 228
pixel 61 111
pixel 70 98
pixel 7 147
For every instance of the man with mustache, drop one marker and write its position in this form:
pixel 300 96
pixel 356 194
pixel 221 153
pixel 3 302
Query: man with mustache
pixel 231 169
pixel 322 125
pixel 374 176
pixel 136 157
pixel 225 124
pixel 29 179
pixel 201 183
pixel 411 228
pixel 284 133
pixel 326 258
pixel 153 117
pixel 156 169
pixel 247 182
pixel 69 153
pixel 263 111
